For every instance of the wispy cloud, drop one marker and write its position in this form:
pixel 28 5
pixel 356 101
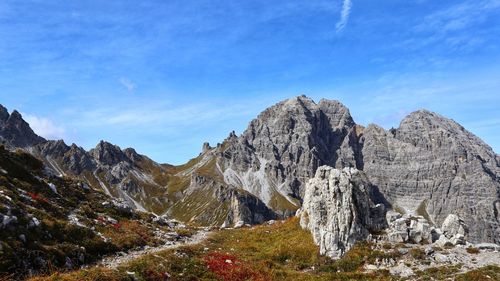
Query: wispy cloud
pixel 344 16
pixel 45 127
pixel 164 117
pixel 129 85
pixel 459 16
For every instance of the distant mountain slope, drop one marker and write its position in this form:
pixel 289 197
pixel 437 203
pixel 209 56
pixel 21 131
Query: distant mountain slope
pixel 429 165
pixel 432 165
pixel 15 132
pixel 52 223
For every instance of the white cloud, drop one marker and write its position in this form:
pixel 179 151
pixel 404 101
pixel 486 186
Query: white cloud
pixel 344 15
pixel 129 85
pixel 45 127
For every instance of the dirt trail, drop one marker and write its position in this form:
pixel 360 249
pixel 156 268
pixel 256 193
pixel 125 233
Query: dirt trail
pixel 124 257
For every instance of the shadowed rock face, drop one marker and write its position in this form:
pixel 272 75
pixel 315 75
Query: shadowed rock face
pixel 15 132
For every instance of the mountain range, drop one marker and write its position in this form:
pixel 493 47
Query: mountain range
pixel 430 165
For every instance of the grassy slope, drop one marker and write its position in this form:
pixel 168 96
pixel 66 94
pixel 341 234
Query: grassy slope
pixel 282 251
pixel 25 194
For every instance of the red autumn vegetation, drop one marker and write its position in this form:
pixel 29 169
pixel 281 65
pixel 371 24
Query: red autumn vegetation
pixel 230 268
pixel 37 197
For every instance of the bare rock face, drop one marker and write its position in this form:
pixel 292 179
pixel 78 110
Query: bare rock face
pixel 433 167
pixel 64 159
pixel 246 208
pixel 284 146
pixel 106 153
pixel 339 211
pixel 15 132
pixel 453 226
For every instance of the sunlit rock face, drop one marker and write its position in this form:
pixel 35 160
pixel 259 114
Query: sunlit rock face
pixel 432 166
pixel 282 148
pixel 339 210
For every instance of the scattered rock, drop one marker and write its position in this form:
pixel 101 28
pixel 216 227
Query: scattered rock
pixel 239 224
pixel 392 215
pixel 52 187
pixel 429 251
pixel 34 222
pixel 403 251
pixel 7 220
pixel 401 270
pixel 488 246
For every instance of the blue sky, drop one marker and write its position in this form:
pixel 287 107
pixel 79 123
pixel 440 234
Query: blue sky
pixel 165 76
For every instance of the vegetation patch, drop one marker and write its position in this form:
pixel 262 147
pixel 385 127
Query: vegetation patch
pixel 418 253
pixel 491 272
pixel 438 273
pixel 472 250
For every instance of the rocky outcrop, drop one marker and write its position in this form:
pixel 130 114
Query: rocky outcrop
pixel 245 208
pixel 412 229
pixel 409 229
pixel 453 231
pixel 15 132
pixel 339 211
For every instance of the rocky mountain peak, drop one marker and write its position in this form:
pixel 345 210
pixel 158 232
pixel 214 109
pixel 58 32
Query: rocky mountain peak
pixel 132 155
pixel 54 148
pixel 108 154
pixel 15 131
pixel 285 144
pixel 4 114
pixel 431 131
pixel 206 147
pixel 338 114
pixel 15 115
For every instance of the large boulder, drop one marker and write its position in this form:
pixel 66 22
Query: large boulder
pixel 339 210
pixel 453 226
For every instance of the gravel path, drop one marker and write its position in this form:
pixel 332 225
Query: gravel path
pixel 122 258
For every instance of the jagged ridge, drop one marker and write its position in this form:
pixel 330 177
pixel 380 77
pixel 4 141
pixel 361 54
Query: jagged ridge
pixel 429 165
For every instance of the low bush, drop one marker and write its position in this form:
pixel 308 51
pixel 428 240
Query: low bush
pixel 472 250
